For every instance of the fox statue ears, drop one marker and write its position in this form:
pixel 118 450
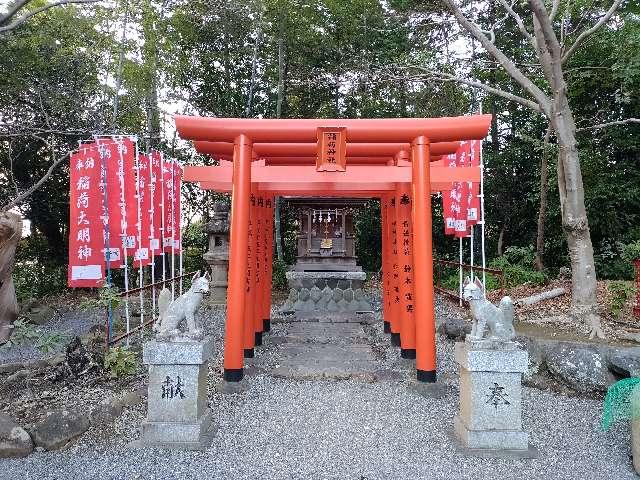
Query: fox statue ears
pixel 197 275
pixel 477 282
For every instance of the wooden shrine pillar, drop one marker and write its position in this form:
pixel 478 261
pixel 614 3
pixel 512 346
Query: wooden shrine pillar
pixel 268 262
pixel 259 268
pixel 395 272
pixel 385 279
pixel 238 244
pixel 405 267
pixel 250 285
pixel 423 261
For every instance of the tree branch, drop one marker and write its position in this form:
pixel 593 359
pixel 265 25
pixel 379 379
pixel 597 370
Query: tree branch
pixel 584 35
pixel 25 194
pixel 554 9
pixel 541 98
pixel 26 16
pixel 442 76
pixel 609 124
pixel 13 9
pixel 540 12
pixel 518 21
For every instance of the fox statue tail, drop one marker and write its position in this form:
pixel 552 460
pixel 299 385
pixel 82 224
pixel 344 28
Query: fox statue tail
pixel 164 300
pixel 506 307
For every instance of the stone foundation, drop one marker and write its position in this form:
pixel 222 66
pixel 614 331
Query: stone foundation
pixel 489 422
pixel 327 292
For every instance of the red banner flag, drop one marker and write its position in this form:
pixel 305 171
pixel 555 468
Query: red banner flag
pixel 119 157
pixel 86 258
pixel 473 188
pixel 143 224
pixel 177 211
pixel 155 198
pixel 168 204
pixel 449 216
pixel 461 188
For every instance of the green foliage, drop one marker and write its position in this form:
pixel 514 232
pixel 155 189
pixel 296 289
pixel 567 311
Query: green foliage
pixel 517 265
pixel 279 279
pixel 36 275
pixel 368 240
pixel 50 342
pixel 631 251
pixel 620 293
pixel 108 296
pixel 120 362
pixel 25 333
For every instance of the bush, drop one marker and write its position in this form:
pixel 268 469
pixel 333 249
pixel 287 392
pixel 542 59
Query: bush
pixel 279 277
pixel 631 251
pixel 27 333
pixel 120 361
pixel 619 294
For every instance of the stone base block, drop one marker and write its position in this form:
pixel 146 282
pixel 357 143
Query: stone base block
pixel 332 292
pixel 490 439
pixel 183 436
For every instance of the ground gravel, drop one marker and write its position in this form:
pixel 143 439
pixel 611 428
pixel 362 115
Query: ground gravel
pixel 284 429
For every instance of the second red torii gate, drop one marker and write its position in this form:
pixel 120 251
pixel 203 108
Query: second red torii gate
pixel 395 160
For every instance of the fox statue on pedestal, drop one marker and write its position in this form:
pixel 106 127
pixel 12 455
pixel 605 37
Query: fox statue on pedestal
pixel 499 319
pixel 182 308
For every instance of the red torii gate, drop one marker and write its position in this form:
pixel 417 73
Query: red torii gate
pixel 395 160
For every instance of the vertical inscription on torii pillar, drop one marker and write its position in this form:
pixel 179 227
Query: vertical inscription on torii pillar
pixel 332 149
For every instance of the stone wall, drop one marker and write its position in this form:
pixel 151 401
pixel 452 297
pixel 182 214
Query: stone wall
pixel 331 292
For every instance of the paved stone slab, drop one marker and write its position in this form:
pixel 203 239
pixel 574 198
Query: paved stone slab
pixel 324 329
pixel 340 353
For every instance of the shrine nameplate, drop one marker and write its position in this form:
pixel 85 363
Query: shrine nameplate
pixel 332 149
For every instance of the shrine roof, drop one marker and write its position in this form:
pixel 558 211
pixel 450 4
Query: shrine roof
pixel 366 130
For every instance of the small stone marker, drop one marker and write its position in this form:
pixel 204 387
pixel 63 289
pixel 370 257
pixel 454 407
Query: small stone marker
pixel 177 414
pixel 489 422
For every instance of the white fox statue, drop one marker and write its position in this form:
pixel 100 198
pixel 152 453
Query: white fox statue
pixel 499 319
pixel 182 308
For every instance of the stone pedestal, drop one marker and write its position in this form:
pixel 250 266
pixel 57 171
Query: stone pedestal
pixel 177 412
pixel 489 422
pixel 326 293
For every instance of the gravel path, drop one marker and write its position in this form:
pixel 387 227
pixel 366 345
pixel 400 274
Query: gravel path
pixel 284 429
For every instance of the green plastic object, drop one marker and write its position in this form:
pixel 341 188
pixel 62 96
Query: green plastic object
pixel 621 403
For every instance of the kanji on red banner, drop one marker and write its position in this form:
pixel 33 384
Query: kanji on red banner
pixel 117 156
pixel 86 257
pixel 473 188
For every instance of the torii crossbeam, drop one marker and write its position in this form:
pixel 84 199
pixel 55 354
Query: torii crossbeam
pixel 394 160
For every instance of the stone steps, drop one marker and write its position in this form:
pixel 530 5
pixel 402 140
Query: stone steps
pixel 313 351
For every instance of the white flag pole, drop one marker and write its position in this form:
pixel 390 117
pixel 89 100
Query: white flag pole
pixel 162 223
pixel 471 240
pixel 123 219
pixel 152 231
pixel 484 260
pixel 173 230
pixel 139 193
pixel 180 268
pixel 460 271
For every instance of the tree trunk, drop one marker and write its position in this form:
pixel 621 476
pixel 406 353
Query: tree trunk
pixel 501 240
pixel 574 217
pixel 542 212
pixel 10 234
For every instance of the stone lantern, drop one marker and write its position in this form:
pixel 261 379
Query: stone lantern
pixel 218 254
